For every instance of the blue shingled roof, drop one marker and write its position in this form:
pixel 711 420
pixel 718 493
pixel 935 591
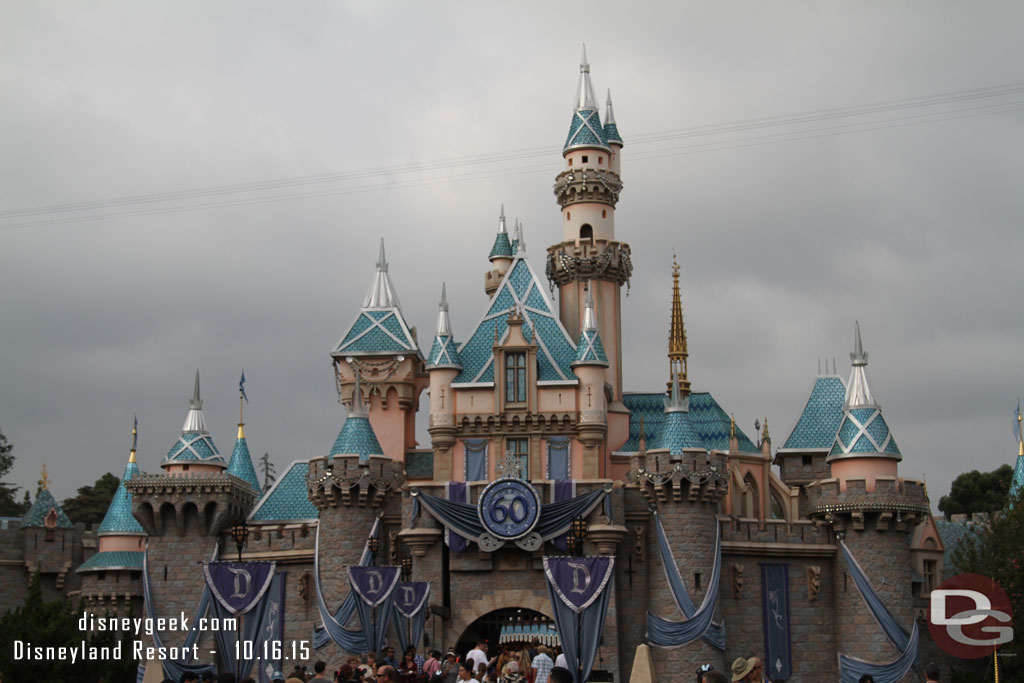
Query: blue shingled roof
pixel 241 465
pixel 864 430
pixel 287 499
pixel 377 330
pixel 585 130
pixel 1017 483
pixel 118 519
pixel 443 353
pixel 115 559
pixel 678 433
pixel 706 418
pixel 951 534
pixel 357 438
pixel 194 447
pixel 36 515
pixel 589 349
pixel 502 247
pixel 520 286
pixel 816 428
pixel 611 133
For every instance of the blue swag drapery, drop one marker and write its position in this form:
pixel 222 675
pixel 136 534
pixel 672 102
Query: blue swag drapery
pixel 350 640
pixel 580 632
pixel 852 668
pixel 174 668
pixel 413 622
pixel 253 623
pixel 666 633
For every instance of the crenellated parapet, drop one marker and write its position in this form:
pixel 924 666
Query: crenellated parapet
pixel 575 185
pixel 349 481
pixel 894 503
pixel 589 260
pixel 693 477
pixel 203 504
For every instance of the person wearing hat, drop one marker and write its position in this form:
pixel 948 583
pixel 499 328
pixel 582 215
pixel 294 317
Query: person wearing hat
pixel 743 668
pixel 277 677
pixel 450 667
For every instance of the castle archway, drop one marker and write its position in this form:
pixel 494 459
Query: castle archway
pixel 488 627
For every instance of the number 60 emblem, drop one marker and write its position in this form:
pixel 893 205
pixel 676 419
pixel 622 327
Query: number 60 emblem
pixel 509 508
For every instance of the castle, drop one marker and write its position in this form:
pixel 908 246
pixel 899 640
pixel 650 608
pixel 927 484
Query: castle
pixel 534 391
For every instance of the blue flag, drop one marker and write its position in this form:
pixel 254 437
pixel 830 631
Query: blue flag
pixel 241 387
pixel 1016 424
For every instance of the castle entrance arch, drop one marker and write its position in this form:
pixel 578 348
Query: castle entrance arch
pixel 489 627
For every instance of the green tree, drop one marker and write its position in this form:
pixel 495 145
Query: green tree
pixel 91 503
pixel 976 491
pixel 40 623
pixel 996 550
pixel 9 505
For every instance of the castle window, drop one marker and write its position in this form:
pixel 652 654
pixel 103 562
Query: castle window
pixel 568 215
pixel 696 580
pixel 806 460
pixel 568 162
pixel 586 232
pixel 515 377
pixel 585 158
pixel 184 468
pixel 778 510
pixel 604 213
pixel 101 576
pixel 520 450
pixel 600 160
pixel 929 575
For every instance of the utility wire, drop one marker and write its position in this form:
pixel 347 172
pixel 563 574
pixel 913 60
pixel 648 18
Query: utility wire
pixel 149 204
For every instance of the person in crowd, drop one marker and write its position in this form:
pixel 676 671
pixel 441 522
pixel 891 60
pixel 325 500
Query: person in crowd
pixel 450 667
pixel 432 664
pixel 741 668
pixel 407 668
pixel 466 671
pixel 277 677
pixel 369 665
pixel 541 665
pixel 866 678
pixel 387 656
pixel 226 677
pixel 387 673
pixel 559 674
pixel 478 654
pixel 417 657
pixel 712 676
pixel 190 677
pixel 318 669
pixel 931 673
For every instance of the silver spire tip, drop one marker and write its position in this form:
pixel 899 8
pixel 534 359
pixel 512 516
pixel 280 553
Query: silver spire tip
pixel 382 263
pixel 196 402
pixel 859 355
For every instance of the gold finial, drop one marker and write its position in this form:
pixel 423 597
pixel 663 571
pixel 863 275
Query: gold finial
pixel 44 483
pixel 677 352
pixel 241 430
pixel 135 439
pixel 641 443
pixel 765 436
pixel 732 427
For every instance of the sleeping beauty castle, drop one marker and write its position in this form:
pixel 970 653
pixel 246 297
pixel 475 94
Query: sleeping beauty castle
pixel 643 532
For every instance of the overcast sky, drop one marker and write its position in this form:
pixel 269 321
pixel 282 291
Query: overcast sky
pixel 208 183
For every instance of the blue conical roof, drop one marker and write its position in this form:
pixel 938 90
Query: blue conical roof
pixel 678 433
pixel 443 353
pixel 816 428
pixel 119 519
pixel 36 515
pixel 502 247
pixel 589 349
pixel 195 445
pixel 585 130
pixel 241 463
pixel 357 438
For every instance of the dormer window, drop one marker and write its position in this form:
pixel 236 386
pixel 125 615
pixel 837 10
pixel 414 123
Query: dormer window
pixel 50 522
pixel 515 377
pixel 585 158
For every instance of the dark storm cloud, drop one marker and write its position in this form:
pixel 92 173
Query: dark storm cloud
pixel 905 219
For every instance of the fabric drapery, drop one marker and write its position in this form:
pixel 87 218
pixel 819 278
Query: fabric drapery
pixel 457 493
pixel 666 633
pixel 852 668
pixel 174 668
pixel 579 622
pixel 558 457
pixel 253 622
pixel 778 659
pixel 411 611
pixel 476 459
pixel 349 640
pixel 562 490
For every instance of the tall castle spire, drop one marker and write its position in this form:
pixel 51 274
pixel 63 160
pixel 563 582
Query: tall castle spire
pixel 195 445
pixel 677 352
pixel 585 100
pixel 382 292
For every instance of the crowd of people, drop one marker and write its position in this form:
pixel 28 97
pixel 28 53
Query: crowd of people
pixel 534 664
pixel 751 670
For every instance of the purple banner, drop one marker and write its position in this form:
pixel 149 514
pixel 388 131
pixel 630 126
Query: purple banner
pixel 273 629
pixel 238 586
pixel 456 494
pixel 579 581
pixel 411 596
pixel 563 490
pixel 373 584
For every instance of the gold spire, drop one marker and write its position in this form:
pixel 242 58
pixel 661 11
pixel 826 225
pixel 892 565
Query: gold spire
pixel 241 430
pixel 135 440
pixel 677 353
pixel 44 482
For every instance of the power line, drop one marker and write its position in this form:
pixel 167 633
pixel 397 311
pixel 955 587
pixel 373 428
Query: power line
pixel 233 194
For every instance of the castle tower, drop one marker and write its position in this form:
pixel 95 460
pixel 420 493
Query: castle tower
pixel 443 366
pixel 48 537
pixel 194 452
pixel 382 349
pixel 241 461
pixel 590 366
pixel 500 256
pixel 185 513
pixel 587 190
pixel 111 579
pixel 1017 483
pixel 873 510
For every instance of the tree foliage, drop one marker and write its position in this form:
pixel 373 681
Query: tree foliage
pixel 9 505
pixel 996 550
pixel 40 623
pixel 91 503
pixel 976 491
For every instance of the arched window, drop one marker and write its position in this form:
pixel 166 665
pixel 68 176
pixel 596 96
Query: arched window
pixel 586 232
pixel 751 501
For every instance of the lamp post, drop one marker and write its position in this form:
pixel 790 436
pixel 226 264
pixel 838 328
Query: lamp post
pixel 240 532
pixel 374 545
pixel 406 568
pixel 577 533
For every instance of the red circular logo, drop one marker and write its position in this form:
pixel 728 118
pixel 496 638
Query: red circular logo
pixel 969 616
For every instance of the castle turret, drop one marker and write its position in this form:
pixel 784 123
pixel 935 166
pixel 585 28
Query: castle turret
pixel 1017 483
pixel 443 366
pixel 678 356
pixel 241 462
pixel 382 349
pixel 111 579
pixel 48 536
pixel 611 134
pixel 194 452
pixel 867 505
pixel 500 256
pixel 590 366
pixel 587 190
